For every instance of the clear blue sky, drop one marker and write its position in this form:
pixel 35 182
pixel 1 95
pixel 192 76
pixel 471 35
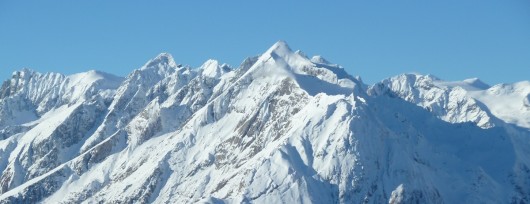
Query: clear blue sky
pixel 451 39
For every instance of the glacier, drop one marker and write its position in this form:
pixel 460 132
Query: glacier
pixel 280 128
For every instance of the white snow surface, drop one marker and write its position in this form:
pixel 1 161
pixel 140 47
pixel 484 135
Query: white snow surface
pixel 281 128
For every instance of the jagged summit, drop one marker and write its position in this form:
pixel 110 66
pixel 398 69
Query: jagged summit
pixel 23 71
pixel 281 128
pixel 212 69
pixel 476 82
pixel 164 59
pixel 301 53
pixel 280 48
pixel 279 58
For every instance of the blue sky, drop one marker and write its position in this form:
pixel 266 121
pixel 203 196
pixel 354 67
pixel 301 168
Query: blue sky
pixel 451 39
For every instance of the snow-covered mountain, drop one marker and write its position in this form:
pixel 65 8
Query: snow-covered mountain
pixel 281 127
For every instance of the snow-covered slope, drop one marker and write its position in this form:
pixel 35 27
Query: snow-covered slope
pixel 470 100
pixel 509 102
pixel 282 127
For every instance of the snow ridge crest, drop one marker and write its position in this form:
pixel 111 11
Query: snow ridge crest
pixel 281 128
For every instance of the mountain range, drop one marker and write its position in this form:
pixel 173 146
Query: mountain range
pixel 280 128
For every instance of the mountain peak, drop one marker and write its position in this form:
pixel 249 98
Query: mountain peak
pixel 281 129
pixel 299 52
pixel 162 58
pixel 319 60
pixel 25 72
pixel 280 59
pixel 164 55
pixel 281 43
pixel 94 75
pixel 280 48
pixel 476 82
pixel 211 68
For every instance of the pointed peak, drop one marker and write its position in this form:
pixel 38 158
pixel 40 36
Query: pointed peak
pixel 280 48
pixel 209 63
pixel 164 55
pixel 248 62
pixel 477 83
pixel 23 71
pixel 281 43
pixel 302 54
pixel 473 80
pixel 23 74
pixel 162 58
pixel 211 68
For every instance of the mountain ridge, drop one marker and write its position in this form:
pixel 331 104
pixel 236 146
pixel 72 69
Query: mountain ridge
pixel 281 127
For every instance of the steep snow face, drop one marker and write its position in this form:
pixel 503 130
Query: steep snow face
pixel 281 128
pixel 51 90
pixel 449 101
pixel 45 116
pixel 28 94
pixel 473 84
pixel 300 66
pixel 470 100
pixel 508 102
pixel 212 69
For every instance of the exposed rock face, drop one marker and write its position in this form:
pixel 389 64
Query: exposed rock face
pixel 280 128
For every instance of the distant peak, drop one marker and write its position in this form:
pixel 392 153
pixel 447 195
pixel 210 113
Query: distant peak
pixel 280 48
pixel 23 71
pixel 414 77
pixel 473 80
pixel 164 55
pixel 209 64
pixel 162 58
pixel 476 82
pixel 23 74
pixel 281 43
pixel 99 74
pixel 432 77
pixel 299 52
pixel 211 68
pixel 319 60
pixel 417 75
